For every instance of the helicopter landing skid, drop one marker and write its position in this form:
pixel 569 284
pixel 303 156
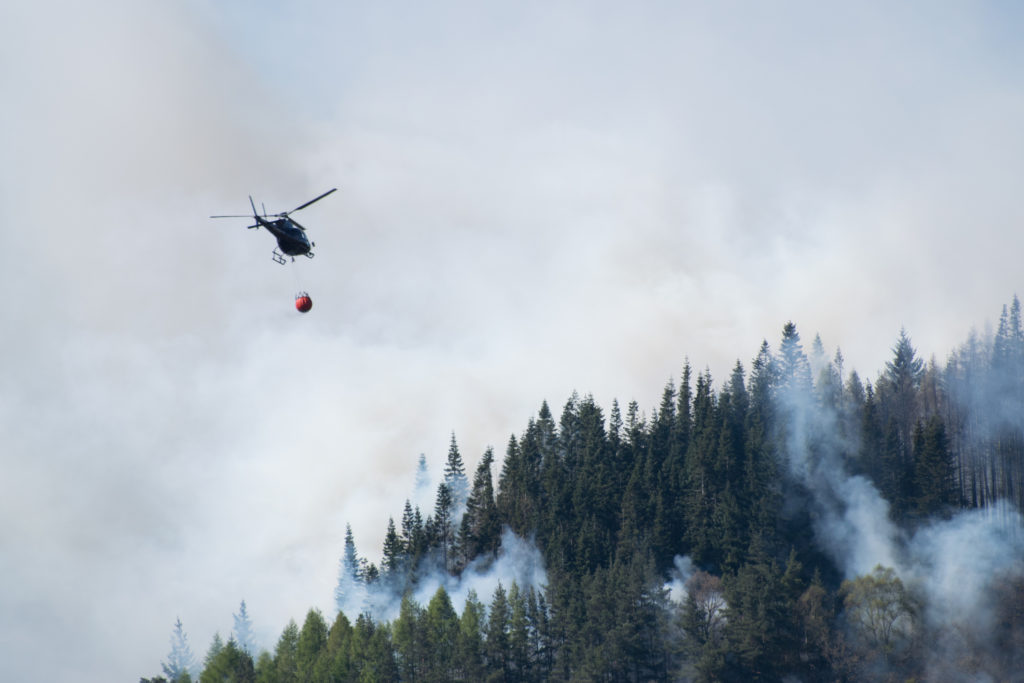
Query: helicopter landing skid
pixel 278 257
pixel 309 254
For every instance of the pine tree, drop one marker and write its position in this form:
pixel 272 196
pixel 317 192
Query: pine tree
pixel 441 632
pixel 480 532
pixel 518 635
pixel 286 657
pixel 702 483
pixel 409 640
pixel 311 645
pixel 934 482
pixel 794 370
pixel 373 652
pixel 230 663
pixel 760 617
pixel 443 526
pixel 421 484
pixel 455 479
pixel 898 393
pixel 497 647
pixel 180 662
pixel 216 645
pixel 243 631
pixel 469 644
pixel 350 592
pixel 394 562
pixel 338 657
pixel 518 487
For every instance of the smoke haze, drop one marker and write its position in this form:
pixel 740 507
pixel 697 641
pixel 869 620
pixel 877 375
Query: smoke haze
pixel 534 199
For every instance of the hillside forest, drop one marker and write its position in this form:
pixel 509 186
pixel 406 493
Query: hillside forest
pixel 791 521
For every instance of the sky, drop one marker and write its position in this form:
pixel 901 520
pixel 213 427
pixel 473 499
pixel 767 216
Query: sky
pixel 535 198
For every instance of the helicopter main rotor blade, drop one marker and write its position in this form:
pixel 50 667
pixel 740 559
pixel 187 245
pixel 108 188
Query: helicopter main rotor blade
pixel 298 208
pixel 233 216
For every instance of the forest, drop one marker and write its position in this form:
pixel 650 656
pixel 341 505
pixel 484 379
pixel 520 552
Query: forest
pixel 790 522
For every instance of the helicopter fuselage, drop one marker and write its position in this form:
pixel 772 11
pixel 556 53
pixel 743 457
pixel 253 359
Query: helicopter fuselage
pixel 291 239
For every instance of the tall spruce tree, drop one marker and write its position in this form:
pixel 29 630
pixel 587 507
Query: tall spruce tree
pixel 469 644
pixel 480 531
pixel 243 633
pixel 350 591
pixel 311 645
pixel 409 641
pixel 794 370
pixel 497 648
pixel 230 663
pixel 180 661
pixel 455 479
pixel 440 633
pixel 443 527
pixel 934 483
pixel 393 562
pixel 897 391
pixel 286 657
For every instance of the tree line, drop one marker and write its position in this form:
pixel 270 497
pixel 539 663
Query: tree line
pixel 615 503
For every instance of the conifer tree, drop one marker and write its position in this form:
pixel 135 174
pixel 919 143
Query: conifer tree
pixel 898 391
pixel 243 631
pixel 702 486
pixel 793 367
pixel 350 591
pixel 338 657
pixel 180 662
pixel 373 653
pixel 443 527
pixel 469 643
pixel 421 483
pixel 760 617
pixel 481 527
pixel 311 645
pixel 408 639
pixel 230 663
pixel 286 657
pixel 518 634
pixel 216 645
pixel 440 631
pixel 934 482
pixel 393 563
pixel 496 646
pixel 455 479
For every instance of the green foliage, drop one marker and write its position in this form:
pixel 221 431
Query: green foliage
pixel 883 619
pixel 286 655
pixel 311 645
pixel 879 609
pixel 469 643
pixel 230 664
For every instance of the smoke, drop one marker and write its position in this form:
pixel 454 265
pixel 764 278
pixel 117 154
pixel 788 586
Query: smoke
pixel 852 521
pixel 177 440
pixel 679 576
pixel 517 560
pixel 951 565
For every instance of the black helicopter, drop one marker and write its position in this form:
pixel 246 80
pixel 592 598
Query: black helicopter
pixel 291 237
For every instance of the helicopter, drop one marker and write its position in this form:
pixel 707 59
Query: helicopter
pixel 291 237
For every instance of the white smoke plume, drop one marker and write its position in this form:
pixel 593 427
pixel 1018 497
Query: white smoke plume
pixel 517 561
pixel 950 564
